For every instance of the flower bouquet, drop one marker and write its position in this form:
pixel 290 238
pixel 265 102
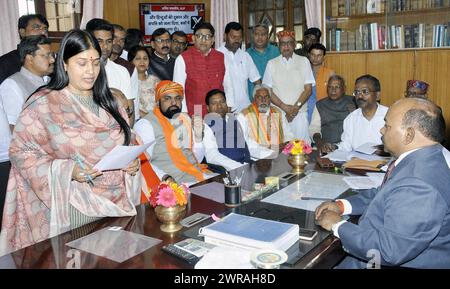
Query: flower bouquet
pixel 296 150
pixel 170 202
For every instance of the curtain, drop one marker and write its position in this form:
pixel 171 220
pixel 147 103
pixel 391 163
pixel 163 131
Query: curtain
pixel 222 12
pixel 314 14
pixel 91 9
pixel 8 22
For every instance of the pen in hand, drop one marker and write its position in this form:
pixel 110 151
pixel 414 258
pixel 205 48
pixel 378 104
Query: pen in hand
pixel 83 167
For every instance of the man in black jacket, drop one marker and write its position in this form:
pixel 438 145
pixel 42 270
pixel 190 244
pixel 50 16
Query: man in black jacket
pixel 33 24
pixel 161 64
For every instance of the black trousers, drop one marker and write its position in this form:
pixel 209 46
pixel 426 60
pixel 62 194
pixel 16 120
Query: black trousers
pixel 4 175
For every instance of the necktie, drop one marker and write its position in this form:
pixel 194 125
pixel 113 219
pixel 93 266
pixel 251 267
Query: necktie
pixel 388 172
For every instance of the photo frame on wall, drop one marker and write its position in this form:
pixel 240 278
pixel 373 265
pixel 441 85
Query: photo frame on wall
pixel 267 21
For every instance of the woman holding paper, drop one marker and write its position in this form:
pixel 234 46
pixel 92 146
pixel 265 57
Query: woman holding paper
pixel 65 128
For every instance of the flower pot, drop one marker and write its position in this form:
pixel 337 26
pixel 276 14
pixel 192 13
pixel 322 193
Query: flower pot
pixel 298 163
pixel 170 217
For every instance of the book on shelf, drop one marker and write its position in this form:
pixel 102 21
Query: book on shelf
pixel 252 233
pixel 375 36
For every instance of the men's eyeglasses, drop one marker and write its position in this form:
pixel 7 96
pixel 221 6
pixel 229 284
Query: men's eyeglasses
pixel 159 41
pixel 205 37
pixel 182 43
pixel 286 43
pixel 37 27
pixel 48 55
pixel 364 91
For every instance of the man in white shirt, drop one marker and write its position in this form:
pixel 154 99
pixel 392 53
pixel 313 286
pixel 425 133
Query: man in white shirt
pixel 223 138
pixel 291 79
pixel 264 126
pixel 363 125
pixel 37 63
pixel 118 76
pixel 240 66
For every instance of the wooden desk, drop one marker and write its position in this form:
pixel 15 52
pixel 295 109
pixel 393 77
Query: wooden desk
pixel 324 252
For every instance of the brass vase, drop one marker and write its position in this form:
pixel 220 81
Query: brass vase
pixel 298 163
pixel 170 217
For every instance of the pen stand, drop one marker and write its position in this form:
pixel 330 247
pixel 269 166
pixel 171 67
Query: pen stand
pixel 232 195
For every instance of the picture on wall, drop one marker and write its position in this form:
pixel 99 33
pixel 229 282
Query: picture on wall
pixel 173 17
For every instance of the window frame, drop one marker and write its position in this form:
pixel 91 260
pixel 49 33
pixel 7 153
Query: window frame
pixel 244 16
pixel 55 36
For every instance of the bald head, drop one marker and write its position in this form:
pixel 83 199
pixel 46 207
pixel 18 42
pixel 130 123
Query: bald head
pixel 412 123
pixel 425 116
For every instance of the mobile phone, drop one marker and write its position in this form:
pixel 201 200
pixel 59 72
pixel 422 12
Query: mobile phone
pixel 307 234
pixel 286 176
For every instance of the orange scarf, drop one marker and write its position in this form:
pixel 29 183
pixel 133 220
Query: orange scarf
pixel 266 132
pixel 176 155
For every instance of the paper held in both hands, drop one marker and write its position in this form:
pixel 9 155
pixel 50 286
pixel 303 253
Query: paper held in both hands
pixel 120 157
pixel 245 232
pixel 313 185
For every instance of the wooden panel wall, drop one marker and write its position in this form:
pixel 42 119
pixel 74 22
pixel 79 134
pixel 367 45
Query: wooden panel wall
pixel 126 13
pixel 394 68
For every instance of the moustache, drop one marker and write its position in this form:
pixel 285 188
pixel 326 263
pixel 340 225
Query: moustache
pixel 360 101
pixel 165 48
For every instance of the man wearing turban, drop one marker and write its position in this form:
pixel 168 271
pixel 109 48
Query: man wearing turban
pixel 175 151
pixel 291 79
pixel 416 88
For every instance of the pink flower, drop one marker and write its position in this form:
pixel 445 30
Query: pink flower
pixel 288 148
pixel 307 149
pixel 166 197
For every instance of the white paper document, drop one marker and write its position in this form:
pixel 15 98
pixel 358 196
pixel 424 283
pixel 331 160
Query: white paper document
pixel 313 185
pixel 120 157
pixel 373 180
pixel 343 156
pixel 367 148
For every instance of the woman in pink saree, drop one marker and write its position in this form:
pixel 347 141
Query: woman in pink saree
pixel 64 129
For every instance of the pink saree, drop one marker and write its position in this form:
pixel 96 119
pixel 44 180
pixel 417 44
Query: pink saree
pixel 53 129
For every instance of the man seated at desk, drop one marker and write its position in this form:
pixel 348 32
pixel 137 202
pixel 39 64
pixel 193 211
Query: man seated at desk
pixel 329 113
pixel 176 148
pixel 223 137
pixel 264 126
pixel 406 221
pixel 362 125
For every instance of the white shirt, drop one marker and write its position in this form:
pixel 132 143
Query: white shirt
pixel 119 78
pixel 258 151
pixel 5 135
pixel 12 94
pixel 268 80
pixel 180 76
pixel 135 91
pixel 212 154
pixel 358 130
pixel 241 68
pixel 144 130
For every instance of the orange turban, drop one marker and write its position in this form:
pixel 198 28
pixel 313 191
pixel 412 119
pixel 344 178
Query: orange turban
pixel 285 33
pixel 167 86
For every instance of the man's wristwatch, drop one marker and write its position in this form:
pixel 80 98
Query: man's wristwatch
pixel 299 104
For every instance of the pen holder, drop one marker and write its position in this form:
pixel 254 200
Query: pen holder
pixel 232 195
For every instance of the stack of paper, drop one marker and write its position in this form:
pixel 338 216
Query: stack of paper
pixel 250 233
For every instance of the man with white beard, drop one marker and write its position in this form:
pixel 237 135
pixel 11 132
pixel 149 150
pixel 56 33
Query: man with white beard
pixel 263 124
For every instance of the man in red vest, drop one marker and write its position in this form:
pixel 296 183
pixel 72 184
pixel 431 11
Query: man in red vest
pixel 201 69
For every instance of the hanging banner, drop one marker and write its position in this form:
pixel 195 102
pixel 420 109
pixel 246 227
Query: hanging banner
pixel 173 17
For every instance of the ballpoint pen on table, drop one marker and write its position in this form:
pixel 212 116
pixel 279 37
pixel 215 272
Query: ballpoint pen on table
pixel 316 199
pixel 77 159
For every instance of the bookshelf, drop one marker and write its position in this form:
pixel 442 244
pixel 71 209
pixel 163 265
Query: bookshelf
pixel 386 24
